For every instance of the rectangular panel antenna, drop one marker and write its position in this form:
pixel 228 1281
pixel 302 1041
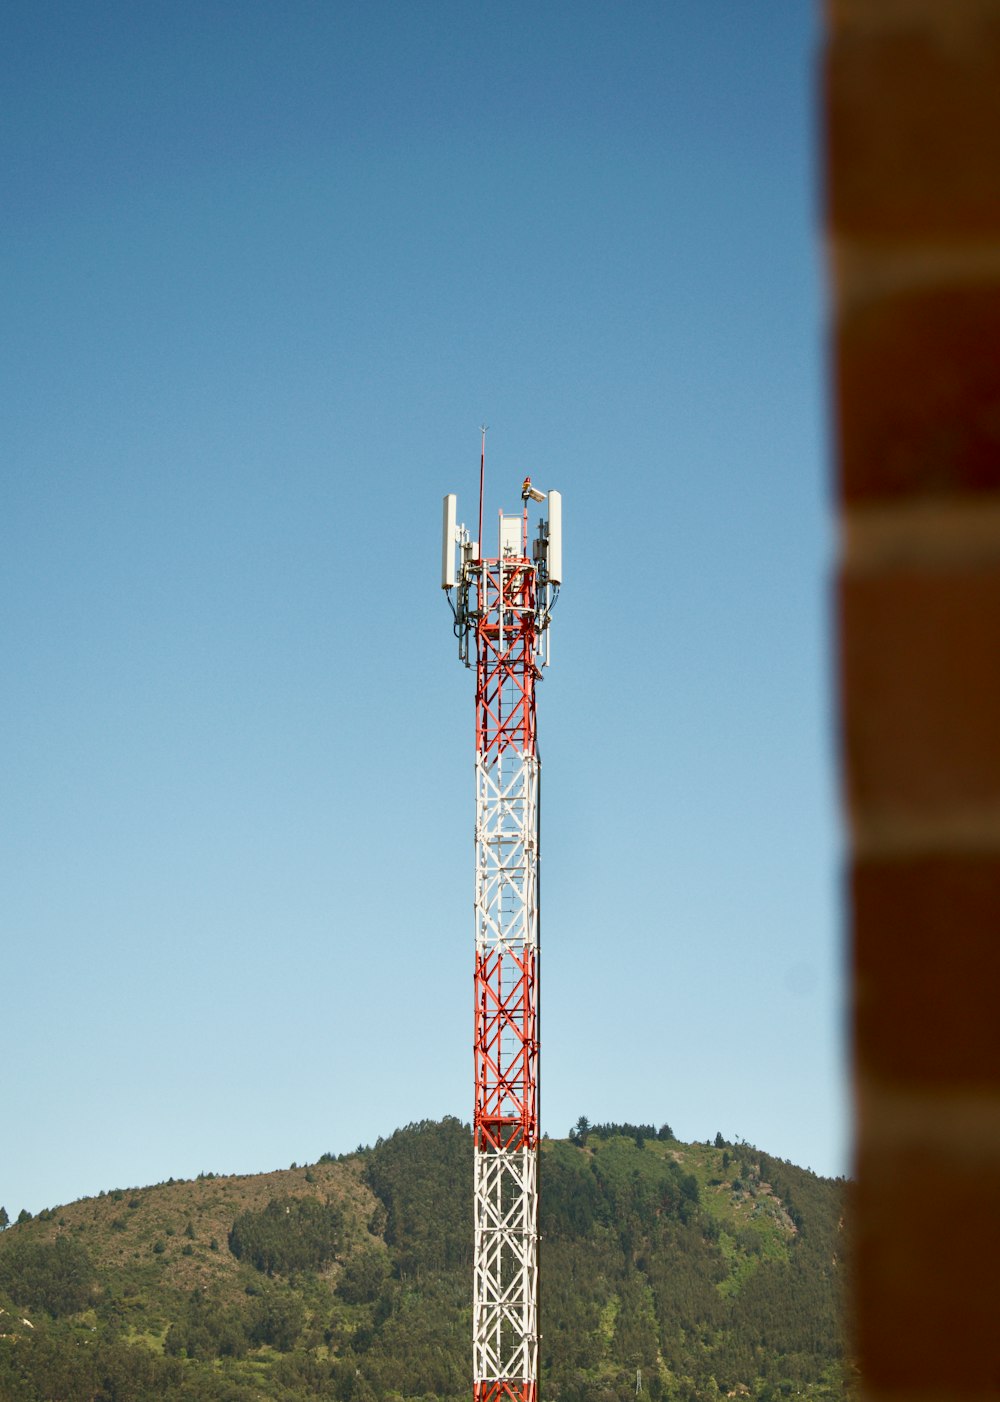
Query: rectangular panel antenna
pixel 449 576
pixel 555 537
pixel 510 535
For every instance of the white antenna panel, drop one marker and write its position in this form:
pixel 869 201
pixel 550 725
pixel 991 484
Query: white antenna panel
pixel 510 535
pixel 555 537
pixel 449 576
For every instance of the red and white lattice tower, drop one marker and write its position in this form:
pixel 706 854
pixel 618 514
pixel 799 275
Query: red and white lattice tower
pixel 502 608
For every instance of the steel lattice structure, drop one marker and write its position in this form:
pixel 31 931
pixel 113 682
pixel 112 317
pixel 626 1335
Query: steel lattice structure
pixel 503 606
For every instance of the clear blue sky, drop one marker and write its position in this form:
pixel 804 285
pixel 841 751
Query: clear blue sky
pixel 267 267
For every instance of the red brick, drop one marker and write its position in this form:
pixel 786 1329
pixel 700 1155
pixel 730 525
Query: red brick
pixel 921 692
pixel 927 1241
pixel 926 967
pixel 918 390
pixel 913 116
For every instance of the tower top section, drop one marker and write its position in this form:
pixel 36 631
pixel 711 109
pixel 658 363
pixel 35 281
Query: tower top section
pixel 510 594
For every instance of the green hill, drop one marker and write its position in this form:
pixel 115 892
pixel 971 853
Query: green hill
pixel 693 1270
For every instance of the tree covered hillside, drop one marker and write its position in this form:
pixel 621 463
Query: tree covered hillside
pixel 688 1270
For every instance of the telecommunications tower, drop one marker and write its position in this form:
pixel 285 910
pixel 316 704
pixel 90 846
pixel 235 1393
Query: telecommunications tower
pixel 502 607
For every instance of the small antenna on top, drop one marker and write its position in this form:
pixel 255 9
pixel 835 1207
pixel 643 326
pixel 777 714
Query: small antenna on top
pixel 482 476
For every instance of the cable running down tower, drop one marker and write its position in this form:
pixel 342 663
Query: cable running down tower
pixel 502 609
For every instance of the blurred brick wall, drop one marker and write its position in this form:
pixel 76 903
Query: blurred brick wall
pixel 912 97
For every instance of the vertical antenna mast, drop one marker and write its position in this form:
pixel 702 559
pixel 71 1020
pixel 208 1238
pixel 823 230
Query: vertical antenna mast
pixel 504 605
pixel 482 482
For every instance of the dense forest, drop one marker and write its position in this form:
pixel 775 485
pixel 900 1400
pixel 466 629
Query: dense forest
pixel 668 1270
